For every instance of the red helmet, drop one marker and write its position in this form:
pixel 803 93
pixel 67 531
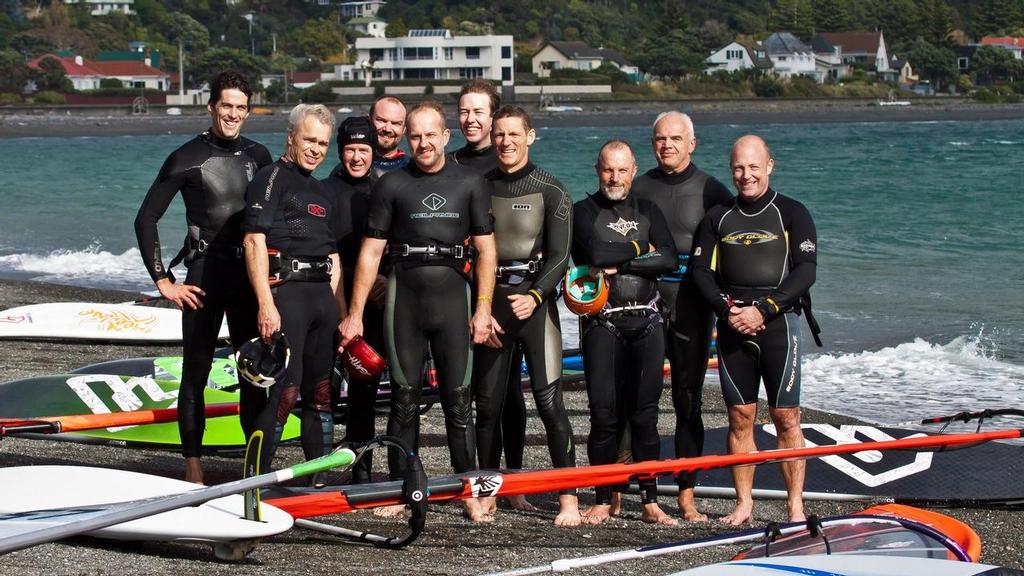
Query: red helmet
pixel 584 290
pixel 362 361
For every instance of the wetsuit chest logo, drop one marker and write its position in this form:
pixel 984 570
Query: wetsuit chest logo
pixel 752 237
pixel 522 207
pixel 316 210
pixel 623 226
pixel 434 201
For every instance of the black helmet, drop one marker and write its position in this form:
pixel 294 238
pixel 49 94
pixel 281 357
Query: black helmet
pixel 262 364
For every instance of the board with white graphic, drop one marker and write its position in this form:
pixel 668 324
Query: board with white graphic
pixel 28 488
pixel 989 473
pixel 93 322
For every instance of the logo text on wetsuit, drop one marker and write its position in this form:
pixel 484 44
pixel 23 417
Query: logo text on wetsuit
pixel 522 207
pixel 748 238
pixel 807 246
pixel 434 202
pixel 316 210
pixel 624 226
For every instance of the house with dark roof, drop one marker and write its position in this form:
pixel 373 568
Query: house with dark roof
pixel 738 55
pixel 866 49
pixel 790 56
pixel 579 56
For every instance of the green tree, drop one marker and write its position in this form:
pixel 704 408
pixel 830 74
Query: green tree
pixel 321 38
pixel 936 21
pixel 670 57
pixel 188 30
pixel 14 72
pixel 713 35
pixel 991 64
pixel 796 16
pixel 214 60
pixel 396 29
pixel 52 77
pixel 933 62
pixel 831 16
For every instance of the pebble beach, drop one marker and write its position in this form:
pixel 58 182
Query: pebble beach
pixel 449 544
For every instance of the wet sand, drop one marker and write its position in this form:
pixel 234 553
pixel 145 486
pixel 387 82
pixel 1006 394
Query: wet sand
pixel 449 545
pixel 112 122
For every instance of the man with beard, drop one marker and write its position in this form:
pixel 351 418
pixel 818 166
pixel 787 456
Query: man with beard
pixel 624 343
pixel 290 213
pixel 388 117
pixel 754 261
pixel 211 171
pixel 428 215
pixel 532 230
pixel 684 194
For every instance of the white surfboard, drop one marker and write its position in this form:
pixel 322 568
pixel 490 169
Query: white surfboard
pixel 28 488
pixel 841 565
pixel 94 321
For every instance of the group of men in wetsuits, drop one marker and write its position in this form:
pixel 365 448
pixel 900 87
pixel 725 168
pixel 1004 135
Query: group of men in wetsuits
pixel 460 256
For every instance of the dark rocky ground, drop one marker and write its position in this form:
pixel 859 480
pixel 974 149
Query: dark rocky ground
pixel 450 544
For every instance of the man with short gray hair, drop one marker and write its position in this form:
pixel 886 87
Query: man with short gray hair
pixel 684 193
pixel 292 258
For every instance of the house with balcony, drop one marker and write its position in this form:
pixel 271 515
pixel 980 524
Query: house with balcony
pixel 863 49
pixel 790 57
pixel 104 7
pixel 426 55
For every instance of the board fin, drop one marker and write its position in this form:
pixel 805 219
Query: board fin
pixel 252 468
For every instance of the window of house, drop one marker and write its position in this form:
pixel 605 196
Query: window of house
pixel 448 54
pixel 470 73
pixel 419 74
pixel 506 73
pixel 472 53
pixel 962 63
pixel 376 54
pixel 734 54
pixel 417 53
pixel 506 52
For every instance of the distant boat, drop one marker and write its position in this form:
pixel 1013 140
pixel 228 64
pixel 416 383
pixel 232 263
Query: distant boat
pixel 561 108
pixel 174 111
pixel 892 101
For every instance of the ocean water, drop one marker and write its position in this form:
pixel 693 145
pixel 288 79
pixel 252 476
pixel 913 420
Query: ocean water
pixel 919 279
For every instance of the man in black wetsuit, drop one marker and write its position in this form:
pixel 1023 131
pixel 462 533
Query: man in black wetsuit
pixel 478 100
pixel 350 184
pixel 388 117
pixel 754 261
pixel 624 344
pixel 211 171
pixel 684 193
pixel 532 229
pixel 429 215
pixel 289 212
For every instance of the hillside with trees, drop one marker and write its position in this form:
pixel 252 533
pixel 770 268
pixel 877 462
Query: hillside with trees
pixel 669 39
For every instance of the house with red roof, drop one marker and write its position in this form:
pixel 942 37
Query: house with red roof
pixel 86 74
pixel 864 48
pixel 1014 44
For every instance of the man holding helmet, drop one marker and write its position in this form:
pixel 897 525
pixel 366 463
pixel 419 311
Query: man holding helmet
pixel 623 342
pixel 292 258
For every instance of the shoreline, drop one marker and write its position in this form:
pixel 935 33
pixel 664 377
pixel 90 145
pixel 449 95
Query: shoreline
pixel 449 545
pixel 79 122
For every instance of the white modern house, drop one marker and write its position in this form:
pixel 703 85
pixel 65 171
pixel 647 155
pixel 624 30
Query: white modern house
pixel 432 55
pixel 104 7
pixel 737 56
pixel 790 56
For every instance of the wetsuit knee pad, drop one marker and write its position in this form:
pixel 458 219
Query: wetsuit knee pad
pixel 285 404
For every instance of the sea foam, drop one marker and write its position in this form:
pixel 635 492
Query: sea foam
pixel 93 267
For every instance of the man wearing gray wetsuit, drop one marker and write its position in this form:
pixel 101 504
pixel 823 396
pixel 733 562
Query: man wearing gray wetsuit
pixel 684 193
pixel 532 229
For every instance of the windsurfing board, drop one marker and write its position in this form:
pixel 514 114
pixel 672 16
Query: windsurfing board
pixel 30 488
pixel 93 322
pixel 843 565
pixel 985 474
pixel 70 394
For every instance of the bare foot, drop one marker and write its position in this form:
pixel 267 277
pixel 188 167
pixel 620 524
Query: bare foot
pixel 489 504
pixel 474 511
pixel 740 515
pixel 796 511
pixel 394 511
pixel 519 502
pixel 596 514
pixel 616 505
pixel 193 470
pixel 653 514
pixel 688 507
pixel 568 512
